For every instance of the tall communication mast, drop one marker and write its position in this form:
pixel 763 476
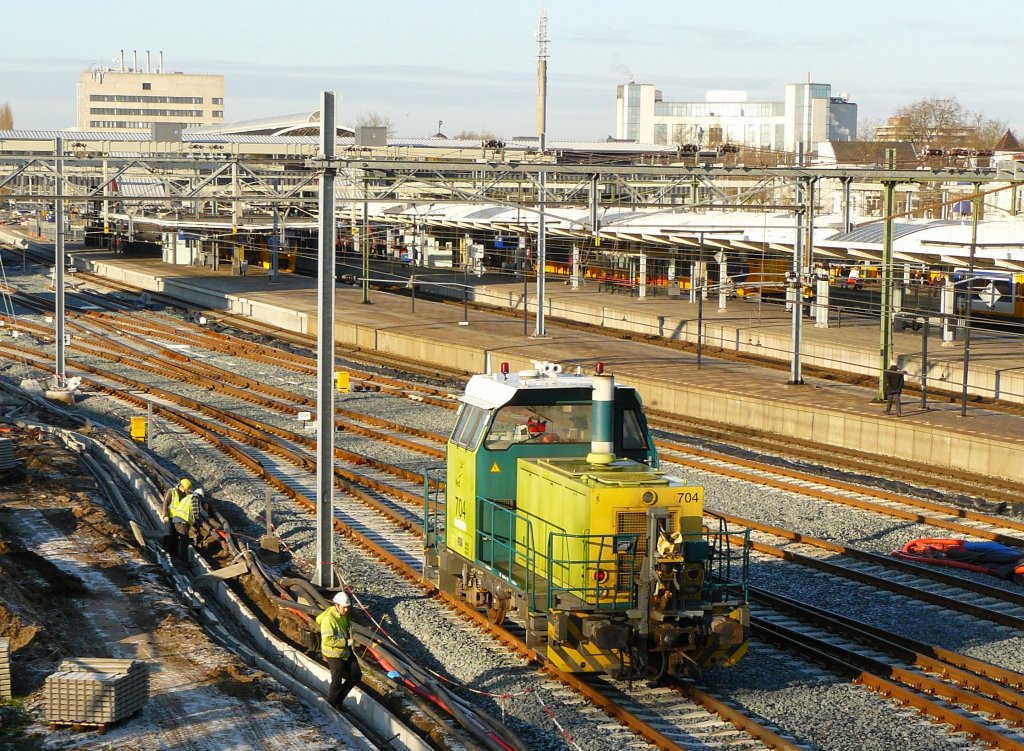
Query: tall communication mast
pixel 542 105
pixel 542 78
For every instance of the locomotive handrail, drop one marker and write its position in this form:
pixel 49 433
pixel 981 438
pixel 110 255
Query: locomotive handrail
pixel 723 580
pixel 593 594
pixel 433 507
pixel 518 546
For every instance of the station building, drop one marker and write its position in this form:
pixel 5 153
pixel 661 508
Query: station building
pixel 808 114
pixel 130 99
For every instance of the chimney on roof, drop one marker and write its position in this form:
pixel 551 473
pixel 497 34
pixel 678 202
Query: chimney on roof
pixel 161 62
pixel 147 61
pixel 135 61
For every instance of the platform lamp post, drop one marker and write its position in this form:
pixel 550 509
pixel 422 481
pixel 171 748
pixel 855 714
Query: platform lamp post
pixel 326 164
pixel 465 291
pixel 523 247
pixel 366 245
pixel 925 326
pixel 700 316
pixel 968 294
pixel 796 287
pixel 888 236
pixel 276 241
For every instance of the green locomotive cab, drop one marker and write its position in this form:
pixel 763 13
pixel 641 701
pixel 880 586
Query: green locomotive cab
pixel 551 496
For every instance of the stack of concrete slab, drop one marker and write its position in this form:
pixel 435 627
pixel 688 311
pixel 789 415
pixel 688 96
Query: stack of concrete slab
pixel 7 460
pixel 5 668
pixel 94 691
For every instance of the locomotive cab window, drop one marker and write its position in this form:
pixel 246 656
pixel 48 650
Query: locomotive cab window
pixel 560 423
pixel 632 432
pixel 470 426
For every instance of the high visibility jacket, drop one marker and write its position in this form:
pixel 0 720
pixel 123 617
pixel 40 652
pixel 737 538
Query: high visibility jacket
pixel 335 636
pixel 182 507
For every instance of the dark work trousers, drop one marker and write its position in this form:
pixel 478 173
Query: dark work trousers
pixel 178 544
pixel 344 675
pixel 894 398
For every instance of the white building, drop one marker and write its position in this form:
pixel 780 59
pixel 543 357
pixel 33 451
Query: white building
pixel 132 99
pixel 808 114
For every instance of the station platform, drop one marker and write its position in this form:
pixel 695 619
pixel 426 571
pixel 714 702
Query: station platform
pixel 845 416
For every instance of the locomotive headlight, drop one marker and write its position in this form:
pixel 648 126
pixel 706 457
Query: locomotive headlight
pixel 600 576
pixel 649 497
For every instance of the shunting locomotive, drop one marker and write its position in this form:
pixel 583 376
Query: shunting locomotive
pixel 554 512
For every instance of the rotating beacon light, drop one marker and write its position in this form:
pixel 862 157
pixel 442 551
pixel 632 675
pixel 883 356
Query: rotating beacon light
pixel 602 447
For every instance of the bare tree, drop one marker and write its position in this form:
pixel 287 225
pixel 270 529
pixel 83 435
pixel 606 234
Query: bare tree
pixel 986 132
pixel 942 123
pixel 6 117
pixel 866 128
pixel 475 135
pixel 374 119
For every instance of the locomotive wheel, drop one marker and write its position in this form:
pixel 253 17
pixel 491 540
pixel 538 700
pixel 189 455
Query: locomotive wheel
pixel 657 666
pixel 496 610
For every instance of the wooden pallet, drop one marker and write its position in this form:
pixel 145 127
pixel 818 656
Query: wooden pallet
pixel 80 727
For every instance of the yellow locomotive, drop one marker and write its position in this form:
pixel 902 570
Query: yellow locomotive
pixel 554 512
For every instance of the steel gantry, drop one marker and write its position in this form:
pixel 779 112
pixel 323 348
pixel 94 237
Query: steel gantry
pixel 630 208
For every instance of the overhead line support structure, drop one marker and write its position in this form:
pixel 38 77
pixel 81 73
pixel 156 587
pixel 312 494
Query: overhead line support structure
pixel 59 261
pixel 327 166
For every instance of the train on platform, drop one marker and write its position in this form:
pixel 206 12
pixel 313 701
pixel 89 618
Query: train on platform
pixel 554 512
pixel 993 293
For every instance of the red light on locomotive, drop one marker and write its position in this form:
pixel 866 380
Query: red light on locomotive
pixel 599 368
pixel 504 368
pixel 600 576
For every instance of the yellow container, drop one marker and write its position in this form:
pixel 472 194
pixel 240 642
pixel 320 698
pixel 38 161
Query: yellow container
pixel 139 428
pixel 341 381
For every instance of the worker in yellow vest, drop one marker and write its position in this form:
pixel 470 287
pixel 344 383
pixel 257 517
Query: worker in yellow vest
pixel 180 515
pixel 336 645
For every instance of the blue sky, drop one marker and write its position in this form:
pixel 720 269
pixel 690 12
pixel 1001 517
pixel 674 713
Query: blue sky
pixel 473 65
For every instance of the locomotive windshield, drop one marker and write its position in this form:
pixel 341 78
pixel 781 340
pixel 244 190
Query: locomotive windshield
pixel 469 426
pixel 559 423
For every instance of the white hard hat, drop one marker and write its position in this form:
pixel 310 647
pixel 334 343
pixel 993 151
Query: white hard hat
pixel 198 491
pixel 341 599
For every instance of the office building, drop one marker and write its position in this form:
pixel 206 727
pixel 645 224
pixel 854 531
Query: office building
pixel 807 114
pixel 133 99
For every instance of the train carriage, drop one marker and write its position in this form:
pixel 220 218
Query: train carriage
pixel 992 293
pixel 555 512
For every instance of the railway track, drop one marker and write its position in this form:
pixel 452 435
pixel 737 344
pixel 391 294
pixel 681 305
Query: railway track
pixel 980 699
pixel 399 387
pixel 398 543
pixel 943 516
pixel 969 489
pixel 365 528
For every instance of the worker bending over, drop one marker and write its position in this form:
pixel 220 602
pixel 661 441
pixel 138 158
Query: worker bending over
pixel 181 509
